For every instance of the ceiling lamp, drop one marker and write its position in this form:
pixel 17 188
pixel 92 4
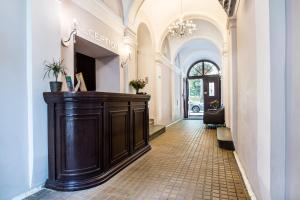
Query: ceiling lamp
pixel 181 27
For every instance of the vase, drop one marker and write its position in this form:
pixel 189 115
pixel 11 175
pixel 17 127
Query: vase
pixel 55 86
pixel 137 91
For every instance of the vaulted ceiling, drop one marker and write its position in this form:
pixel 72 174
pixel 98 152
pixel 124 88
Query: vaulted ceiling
pixel 229 6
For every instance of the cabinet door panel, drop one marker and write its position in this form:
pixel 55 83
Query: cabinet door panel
pixel 118 135
pixel 80 153
pixel 139 128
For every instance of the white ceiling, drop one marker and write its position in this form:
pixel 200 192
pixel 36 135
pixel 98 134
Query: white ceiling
pixel 114 5
pixel 198 49
pixel 160 13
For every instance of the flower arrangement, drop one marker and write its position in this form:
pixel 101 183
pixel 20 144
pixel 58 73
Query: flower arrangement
pixel 215 104
pixel 138 84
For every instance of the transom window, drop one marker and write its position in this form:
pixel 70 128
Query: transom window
pixel 203 68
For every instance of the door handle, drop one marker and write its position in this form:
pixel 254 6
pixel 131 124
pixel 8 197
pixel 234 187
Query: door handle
pixel 205 92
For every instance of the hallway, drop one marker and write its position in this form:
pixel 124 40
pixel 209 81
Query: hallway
pixel 184 163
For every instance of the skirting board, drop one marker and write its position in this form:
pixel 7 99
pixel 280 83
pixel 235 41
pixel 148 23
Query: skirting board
pixel 173 123
pixel 28 193
pixel 246 181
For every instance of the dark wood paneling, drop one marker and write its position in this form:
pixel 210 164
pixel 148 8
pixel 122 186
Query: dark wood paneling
pixel 139 130
pixel 79 130
pixel 216 80
pixel 93 135
pixel 119 135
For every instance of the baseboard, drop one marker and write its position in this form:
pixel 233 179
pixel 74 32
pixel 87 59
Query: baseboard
pixel 173 123
pixel 244 176
pixel 28 193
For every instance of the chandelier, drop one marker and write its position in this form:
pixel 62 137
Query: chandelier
pixel 181 27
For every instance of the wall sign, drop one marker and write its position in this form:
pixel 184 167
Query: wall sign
pixel 101 39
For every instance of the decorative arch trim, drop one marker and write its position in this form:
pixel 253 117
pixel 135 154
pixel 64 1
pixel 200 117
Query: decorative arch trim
pixel 202 73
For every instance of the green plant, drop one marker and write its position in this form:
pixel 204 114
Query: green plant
pixel 138 84
pixel 215 104
pixel 55 68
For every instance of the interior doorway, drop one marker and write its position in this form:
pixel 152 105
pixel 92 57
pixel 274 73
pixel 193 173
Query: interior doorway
pixel 98 66
pixel 203 86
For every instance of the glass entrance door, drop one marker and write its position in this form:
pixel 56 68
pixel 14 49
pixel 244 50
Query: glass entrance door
pixel 195 98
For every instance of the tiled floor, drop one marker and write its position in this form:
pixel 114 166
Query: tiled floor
pixel 184 163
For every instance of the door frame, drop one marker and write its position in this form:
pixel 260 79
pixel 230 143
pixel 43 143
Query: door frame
pixel 203 77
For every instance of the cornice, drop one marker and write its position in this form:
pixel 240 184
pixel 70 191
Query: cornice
pixel 130 37
pixel 160 58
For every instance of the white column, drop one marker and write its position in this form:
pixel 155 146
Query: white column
pixel 130 69
pixel 232 78
pixel 225 87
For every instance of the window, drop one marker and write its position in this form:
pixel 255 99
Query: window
pixel 211 89
pixel 196 70
pixel 203 68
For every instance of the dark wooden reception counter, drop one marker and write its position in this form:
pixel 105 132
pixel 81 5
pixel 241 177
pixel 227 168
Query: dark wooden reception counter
pixel 94 135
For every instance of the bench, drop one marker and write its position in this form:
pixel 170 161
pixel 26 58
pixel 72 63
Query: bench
pixel 224 138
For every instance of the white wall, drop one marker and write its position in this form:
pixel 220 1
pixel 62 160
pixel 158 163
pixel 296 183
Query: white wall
pixel 176 94
pixel 108 74
pixel 247 105
pixel 13 101
pixel 261 91
pixel 164 94
pixel 92 29
pixel 30 43
pixel 45 45
pixel 292 100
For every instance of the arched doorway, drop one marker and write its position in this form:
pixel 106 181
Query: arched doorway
pixel 203 86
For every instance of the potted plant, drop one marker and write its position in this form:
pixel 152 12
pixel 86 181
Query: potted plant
pixel 54 69
pixel 215 104
pixel 138 84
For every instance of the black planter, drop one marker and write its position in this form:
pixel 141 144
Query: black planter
pixel 55 86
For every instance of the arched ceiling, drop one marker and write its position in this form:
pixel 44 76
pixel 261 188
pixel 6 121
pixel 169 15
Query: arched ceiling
pixel 206 30
pixel 195 50
pixel 160 14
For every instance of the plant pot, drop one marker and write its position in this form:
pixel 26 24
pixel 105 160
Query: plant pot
pixel 55 86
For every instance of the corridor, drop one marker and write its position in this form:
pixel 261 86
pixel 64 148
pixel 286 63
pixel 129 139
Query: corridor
pixel 184 163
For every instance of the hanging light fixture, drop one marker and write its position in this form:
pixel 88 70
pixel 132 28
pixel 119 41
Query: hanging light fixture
pixel 181 27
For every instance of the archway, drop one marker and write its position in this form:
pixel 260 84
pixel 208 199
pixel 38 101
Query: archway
pixel 203 85
pixel 146 65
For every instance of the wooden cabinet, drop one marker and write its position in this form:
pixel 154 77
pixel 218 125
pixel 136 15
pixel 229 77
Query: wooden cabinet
pixel 93 135
pixel 118 129
pixel 140 127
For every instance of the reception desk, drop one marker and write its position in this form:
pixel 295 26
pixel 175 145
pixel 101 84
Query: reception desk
pixel 94 135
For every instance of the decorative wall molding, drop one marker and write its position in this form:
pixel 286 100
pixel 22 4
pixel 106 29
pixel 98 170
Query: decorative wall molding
pixel 130 37
pixel 161 59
